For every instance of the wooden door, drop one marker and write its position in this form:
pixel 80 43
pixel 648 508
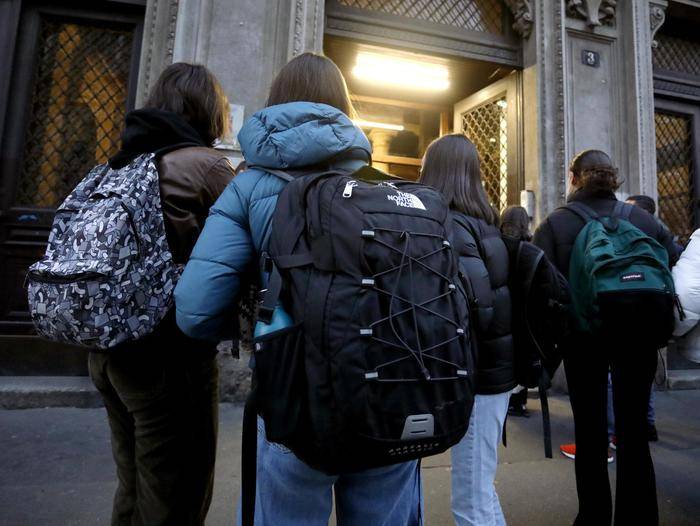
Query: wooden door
pixel 73 77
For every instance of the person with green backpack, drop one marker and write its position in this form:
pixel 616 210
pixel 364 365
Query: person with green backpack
pixel 617 258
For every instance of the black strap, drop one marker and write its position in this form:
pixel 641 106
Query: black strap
pixel 294 260
pixel 505 421
pixel 271 296
pixel 530 278
pixel 279 173
pixel 249 460
pixel 544 402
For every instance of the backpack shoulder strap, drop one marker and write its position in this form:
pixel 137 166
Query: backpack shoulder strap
pixel 585 212
pixel 544 380
pixel 285 176
pixel 622 210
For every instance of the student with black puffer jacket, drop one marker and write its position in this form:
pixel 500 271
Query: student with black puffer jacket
pixel 451 164
pixel 588 356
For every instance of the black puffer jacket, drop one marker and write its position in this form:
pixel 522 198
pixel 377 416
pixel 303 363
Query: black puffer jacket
pixel 485 264
pixel 556 234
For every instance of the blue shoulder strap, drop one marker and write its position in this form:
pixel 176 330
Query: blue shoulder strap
pixel 623 210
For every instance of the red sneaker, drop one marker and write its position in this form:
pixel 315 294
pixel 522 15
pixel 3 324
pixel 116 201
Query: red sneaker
pixel 568 450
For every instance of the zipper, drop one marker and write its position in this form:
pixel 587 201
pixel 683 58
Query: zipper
pixel 347 193
pixel 679 306
pixel 44 277
pixel 132 223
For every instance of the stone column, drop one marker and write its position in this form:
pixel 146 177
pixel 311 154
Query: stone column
pixel 157 45
pixel 306 27
pixel 639 20
pixel 547 177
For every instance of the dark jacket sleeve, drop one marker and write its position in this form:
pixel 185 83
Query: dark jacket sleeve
pixel 472 267
pixel 665 237
pixel 653 228
pixel 544 238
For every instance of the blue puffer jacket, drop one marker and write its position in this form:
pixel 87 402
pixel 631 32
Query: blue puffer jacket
pixel 283 137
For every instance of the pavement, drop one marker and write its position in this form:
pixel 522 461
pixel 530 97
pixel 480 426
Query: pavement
pixel 56 468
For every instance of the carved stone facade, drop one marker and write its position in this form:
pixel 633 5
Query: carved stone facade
pixel 158 43
pixel 657 16
pixel 594 12
pixel 523 16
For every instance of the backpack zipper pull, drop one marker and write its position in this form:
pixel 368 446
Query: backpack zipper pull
pixel 347 193
pixel 679 306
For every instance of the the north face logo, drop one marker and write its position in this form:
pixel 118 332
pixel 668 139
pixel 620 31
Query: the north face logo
pixel 406 200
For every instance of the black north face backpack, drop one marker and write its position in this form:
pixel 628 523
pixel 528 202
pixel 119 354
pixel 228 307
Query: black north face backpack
pixel 377 365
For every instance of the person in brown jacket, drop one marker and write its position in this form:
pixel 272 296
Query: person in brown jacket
pixel 161 391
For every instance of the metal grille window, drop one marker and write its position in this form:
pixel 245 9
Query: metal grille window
pixel 476 15
pixel 486 126
pixel 677 54
pixel 674 169
pixel 77 109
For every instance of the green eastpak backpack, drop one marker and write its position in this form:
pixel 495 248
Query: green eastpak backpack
pixel 619 278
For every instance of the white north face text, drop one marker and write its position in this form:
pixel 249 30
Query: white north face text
pixel 406 200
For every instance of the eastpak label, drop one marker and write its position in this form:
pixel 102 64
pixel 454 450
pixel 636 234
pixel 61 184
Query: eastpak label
pixel 632 276
pixel 406 200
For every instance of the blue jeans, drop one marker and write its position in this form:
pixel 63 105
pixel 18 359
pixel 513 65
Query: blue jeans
pixel 290 493
pixel 474 463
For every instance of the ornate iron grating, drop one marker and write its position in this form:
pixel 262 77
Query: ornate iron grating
pixel 677 54
pixel 77 108
pixel 486 126
pixel 675 172
pixel 476 15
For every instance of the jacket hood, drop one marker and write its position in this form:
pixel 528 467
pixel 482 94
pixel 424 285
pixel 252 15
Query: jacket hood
pixel 152 130
pixel 300 134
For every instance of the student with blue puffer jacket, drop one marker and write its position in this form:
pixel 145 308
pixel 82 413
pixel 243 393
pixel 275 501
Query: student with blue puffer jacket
pixel 305 125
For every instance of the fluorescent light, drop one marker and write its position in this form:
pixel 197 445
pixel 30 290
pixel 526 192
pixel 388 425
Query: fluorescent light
pixel 383 125
pixel 402 72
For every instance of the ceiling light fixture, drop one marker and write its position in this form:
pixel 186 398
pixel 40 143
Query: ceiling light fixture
pixel 401 72
pixel 373 124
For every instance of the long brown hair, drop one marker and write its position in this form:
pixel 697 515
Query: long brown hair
pixel 594 171
pixel 193 91
pixel 451 165
pixel 313 78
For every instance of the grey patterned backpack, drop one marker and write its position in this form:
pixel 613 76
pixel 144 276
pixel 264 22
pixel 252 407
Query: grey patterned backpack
pixel 108 274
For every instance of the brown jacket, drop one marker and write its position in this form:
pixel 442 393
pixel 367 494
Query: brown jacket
pixel 191 180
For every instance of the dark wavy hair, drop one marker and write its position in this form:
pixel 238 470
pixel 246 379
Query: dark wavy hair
pixel 311 77
pixel 594 171
pixel 191 90
pixel 451 165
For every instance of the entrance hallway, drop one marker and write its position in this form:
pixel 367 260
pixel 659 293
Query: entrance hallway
pixel 56 468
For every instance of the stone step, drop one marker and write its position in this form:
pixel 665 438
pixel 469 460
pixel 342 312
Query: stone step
pixel 26 392
pixel 683 379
